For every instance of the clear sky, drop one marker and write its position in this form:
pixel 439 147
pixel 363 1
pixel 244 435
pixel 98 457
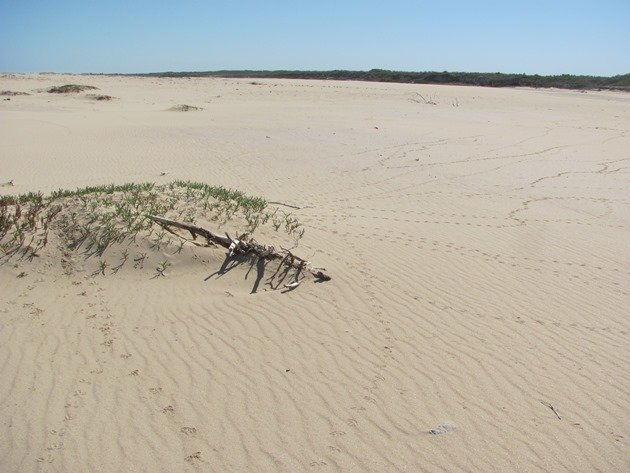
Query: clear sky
pixel 532 36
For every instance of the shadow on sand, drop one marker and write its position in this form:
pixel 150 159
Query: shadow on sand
pixel 277 280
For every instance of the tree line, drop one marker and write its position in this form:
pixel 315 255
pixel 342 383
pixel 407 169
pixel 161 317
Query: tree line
pixel 486 79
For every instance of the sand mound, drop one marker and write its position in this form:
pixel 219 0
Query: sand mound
pixel 70 89
pixel 100 97
pixel 12 93
pixel 184 108
pixel 112 220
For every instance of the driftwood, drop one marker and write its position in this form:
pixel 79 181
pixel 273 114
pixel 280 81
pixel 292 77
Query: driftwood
pixel 245 244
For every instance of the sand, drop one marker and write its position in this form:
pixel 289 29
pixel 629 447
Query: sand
pixel 477 320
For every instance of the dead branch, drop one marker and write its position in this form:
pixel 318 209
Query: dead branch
pixel 428 102
pixel 194 230
pixel 242 245
pixel 285 205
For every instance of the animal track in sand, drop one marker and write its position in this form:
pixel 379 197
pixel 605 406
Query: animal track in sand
pixel 411 241
pixel 517 319
pixel 193 457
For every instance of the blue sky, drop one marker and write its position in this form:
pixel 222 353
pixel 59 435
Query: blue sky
pixel 545 37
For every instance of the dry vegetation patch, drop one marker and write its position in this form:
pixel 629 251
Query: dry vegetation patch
pixel 99 98
pixel 70 89
pixel 184 108
pixel 116 225
pixel 12 93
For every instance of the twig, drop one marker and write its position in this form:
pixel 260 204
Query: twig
pixel 544 403
pixel 286 205
pixel 279 266
pixel 428 102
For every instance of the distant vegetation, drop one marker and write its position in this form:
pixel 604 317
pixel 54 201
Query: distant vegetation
pixel 184 108
pixel 100 97
pixel 12 93
pixel 70 89
pixel 565 81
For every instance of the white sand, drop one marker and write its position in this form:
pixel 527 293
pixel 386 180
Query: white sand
pixel 480 250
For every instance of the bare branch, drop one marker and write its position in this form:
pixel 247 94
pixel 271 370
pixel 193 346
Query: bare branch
pixel 245 244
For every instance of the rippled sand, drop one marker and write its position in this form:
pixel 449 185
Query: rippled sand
pixel 477 320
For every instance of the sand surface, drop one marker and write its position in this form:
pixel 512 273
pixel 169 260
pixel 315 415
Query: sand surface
pixel 480 250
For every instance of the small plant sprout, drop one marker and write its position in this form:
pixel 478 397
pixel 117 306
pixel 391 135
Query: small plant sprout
pixel 102 266
pixel 123 260
pixel 139 260
pixel 161 268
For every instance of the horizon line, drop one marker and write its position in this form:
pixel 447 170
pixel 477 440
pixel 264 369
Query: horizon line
pixel 319 71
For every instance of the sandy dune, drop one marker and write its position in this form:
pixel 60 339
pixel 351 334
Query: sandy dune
pixel 480 250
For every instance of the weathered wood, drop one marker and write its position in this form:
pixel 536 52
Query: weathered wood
pixel 194 230
pixel 244 244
